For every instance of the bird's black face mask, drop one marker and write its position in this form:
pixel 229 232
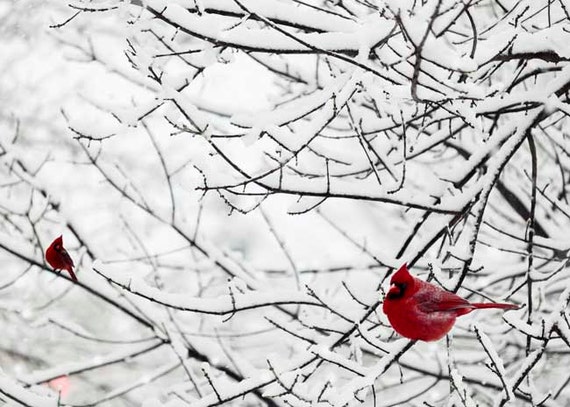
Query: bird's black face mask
pixel 396 291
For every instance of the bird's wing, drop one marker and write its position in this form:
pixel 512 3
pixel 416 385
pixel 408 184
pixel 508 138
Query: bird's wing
pixel 442 301
pixel 67 257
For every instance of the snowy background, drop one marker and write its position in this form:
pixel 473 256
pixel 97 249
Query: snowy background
pixel 237 179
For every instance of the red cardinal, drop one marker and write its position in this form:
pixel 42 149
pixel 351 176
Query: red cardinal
pixel 59 259
pixel 420 310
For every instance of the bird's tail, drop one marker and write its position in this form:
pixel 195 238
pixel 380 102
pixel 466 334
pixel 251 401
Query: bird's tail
pixel 71 273
pixel 500 305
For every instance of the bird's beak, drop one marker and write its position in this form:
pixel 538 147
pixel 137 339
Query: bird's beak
pixel 394 289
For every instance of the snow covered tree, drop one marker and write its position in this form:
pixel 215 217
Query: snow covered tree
pixel 237 180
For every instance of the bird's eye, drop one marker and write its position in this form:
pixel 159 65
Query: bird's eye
pixel 396 291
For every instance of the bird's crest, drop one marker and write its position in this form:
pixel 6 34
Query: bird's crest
pixel 401 283
pixel 402 275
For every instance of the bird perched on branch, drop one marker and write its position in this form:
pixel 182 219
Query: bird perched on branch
pixel 58 258
pixel 420 310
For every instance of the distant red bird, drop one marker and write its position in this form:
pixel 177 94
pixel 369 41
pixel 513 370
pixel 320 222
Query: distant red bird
pixel 420 310
pixel 59 259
